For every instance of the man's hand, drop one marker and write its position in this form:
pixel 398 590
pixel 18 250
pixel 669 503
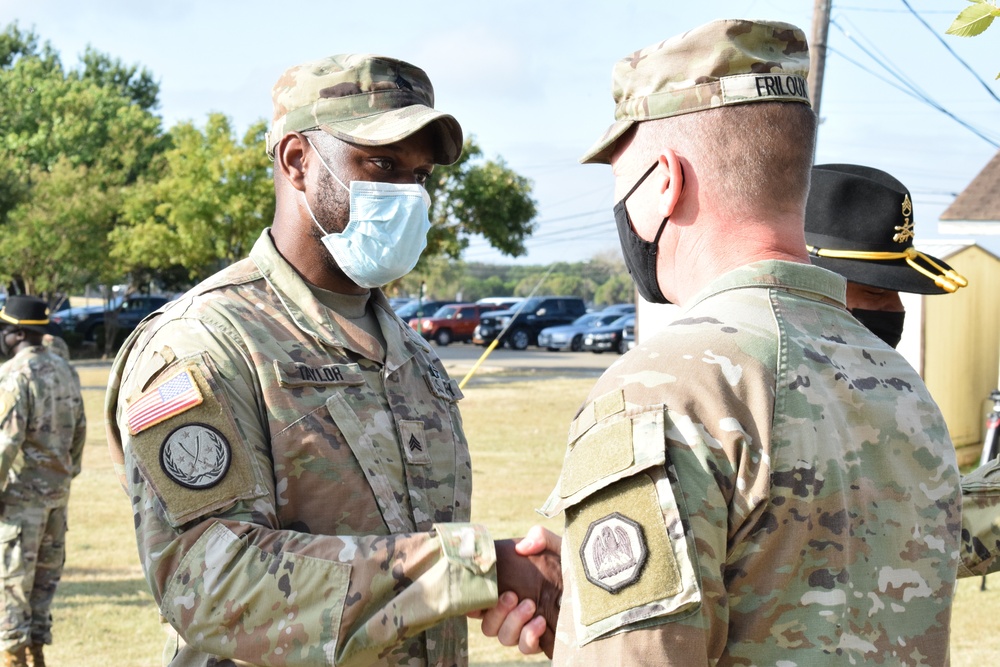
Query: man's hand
pixel 530 580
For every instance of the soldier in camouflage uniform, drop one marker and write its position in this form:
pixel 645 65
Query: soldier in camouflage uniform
pixel 42 432
pixel 765 482
pixel 859 223
pixel 294 453
pixel 56 344
pixel 981 521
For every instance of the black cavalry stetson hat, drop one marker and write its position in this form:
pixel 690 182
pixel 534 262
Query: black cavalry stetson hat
pixel 26 312
pixel 859 223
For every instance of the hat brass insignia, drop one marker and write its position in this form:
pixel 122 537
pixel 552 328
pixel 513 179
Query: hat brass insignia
pixel 906 230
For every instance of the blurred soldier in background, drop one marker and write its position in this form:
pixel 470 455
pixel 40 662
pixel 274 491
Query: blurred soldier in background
pixel 859 223
pixel 42 432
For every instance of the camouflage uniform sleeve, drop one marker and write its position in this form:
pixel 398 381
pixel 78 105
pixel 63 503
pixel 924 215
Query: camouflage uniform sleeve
pixel 79 432
pixel 237 584
pixel 981 521
pixel 13 419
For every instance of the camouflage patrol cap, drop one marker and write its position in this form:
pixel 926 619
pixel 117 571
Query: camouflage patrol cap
pixel 362 99
pixel 718 64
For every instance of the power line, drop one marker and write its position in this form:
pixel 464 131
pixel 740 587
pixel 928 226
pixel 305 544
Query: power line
pixel 884 10
pixel 598 229
pixel 951 51
pixel 548 234
pixel 572 216
pixel 913 89
pixel 873 73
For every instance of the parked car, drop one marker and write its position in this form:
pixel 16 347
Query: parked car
pixel 570 336
pixel 454 322
pixel 87 322
pixel 531 317
pixel 501 302
pixel 608 337
pixel 417 308
pixel 628 336
pixel 396 302
pixel 620 308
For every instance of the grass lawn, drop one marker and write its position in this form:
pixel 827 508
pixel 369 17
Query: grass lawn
pixel 105 617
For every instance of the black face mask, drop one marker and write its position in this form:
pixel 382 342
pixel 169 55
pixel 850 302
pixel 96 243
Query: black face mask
pixel 885 324
pixel 640 255
pixel 5 349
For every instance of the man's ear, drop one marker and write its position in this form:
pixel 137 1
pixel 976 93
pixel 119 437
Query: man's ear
pixel 670 181
pixel 289 159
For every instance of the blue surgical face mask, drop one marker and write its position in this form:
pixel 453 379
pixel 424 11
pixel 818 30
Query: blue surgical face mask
pixel 386 232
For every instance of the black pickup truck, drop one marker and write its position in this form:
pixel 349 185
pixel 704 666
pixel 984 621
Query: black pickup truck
pixel 87 322
pixel 531 317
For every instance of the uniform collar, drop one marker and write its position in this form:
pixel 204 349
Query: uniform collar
pixel 320 322
pixel 806 279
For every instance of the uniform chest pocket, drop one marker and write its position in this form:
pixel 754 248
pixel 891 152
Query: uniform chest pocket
pixel 322 469
pixel 628 559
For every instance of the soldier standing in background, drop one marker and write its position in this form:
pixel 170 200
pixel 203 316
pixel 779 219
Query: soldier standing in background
pixel 55 343
pixel 293 451
pixel 860 224
pixel 42 432
pixel 765 481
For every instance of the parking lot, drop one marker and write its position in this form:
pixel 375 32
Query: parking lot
pixel 504 364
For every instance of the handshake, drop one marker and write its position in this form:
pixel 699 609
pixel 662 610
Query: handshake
pixel 529 580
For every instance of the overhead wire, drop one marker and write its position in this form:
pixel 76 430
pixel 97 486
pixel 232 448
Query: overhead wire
pixel 906 85
pixel 951 51
pixel 910 88
pixel 886 10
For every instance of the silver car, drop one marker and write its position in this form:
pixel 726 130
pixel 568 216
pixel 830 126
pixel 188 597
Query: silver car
pixel 570 336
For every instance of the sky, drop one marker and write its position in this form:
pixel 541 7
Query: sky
pixel 531 80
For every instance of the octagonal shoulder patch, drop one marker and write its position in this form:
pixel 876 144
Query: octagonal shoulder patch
pixel 613 552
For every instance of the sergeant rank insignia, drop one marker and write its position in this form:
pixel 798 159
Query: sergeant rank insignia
pixel 196 456
pixel 613 552
pixel 905 231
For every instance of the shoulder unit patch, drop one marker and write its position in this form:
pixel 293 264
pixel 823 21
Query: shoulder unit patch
pixel 196 456
pixel 613 552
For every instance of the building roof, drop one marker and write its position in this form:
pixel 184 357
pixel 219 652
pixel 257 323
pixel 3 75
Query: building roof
pixel 943 248
pixel 977 208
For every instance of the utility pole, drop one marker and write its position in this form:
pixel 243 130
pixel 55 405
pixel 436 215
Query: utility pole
pixel 817 50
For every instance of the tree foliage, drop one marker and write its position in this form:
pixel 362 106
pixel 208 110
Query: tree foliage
pixel 87 173
pixel 601 280
pixel 478 196
pixel 52 239
pixel 974 19
pixel 77 136
pixel 205 205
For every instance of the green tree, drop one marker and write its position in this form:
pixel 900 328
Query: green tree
pixel 619 288
pixel 206 205
pixel 53 238
pixel 478 196
pixel 77 134
pixel 974 19
pixel 132 82
pixel 557 282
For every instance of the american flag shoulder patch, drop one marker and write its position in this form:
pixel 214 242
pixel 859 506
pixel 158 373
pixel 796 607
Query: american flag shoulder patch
pixel 167 399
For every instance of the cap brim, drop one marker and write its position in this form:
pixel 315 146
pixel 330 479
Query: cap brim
pixel 398 124
pixel 600 153
pixel 893 274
